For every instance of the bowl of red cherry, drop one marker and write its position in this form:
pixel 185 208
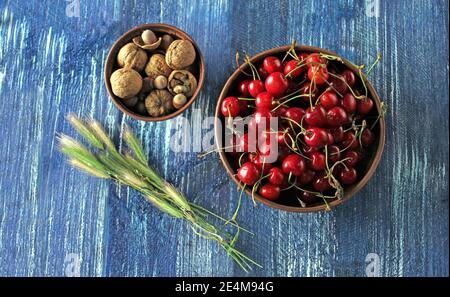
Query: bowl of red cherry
pixel 299 128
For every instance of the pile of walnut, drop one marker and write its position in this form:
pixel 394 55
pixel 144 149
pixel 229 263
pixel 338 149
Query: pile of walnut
pixel 155 75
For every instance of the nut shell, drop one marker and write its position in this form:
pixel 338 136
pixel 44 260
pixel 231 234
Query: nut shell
pixel 130 55
pixel 126 83
pixel 159 102
pixel 182 78
pixel 157 66
pixel 180 54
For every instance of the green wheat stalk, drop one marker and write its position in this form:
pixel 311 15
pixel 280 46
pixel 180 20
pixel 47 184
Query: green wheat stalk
pixel 132 169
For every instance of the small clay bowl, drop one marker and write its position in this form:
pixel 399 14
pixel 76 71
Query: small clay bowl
pixel 288 203
pixel 159 30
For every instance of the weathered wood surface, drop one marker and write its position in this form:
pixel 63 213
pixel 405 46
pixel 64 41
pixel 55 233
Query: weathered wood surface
pixel 51 64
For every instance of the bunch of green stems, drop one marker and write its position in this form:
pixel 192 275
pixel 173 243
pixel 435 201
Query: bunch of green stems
pixel 132 169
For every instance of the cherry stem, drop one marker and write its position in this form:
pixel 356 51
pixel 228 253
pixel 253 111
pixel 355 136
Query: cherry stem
pixel 233 218
pixel 374 63
pixel 239 66
pixel 247 99
pixel 252 67
pixel 380 115
pixel 318 194
pixel 290 99
pixel 201 155
pixel 350 88
pixel 240 158
pixel 333 88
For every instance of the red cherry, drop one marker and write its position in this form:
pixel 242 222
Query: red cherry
pixel 306 177
pixel 336 117
pixel 367 137
pixel 262 116
pixel 353 158
pixel 330 138
pixel 349 77
pixel 276 176
pixel 365 106
pixel 308 149
pixel 276 84
pixel 294 164
pixel 282 138
pixel 262 72
pixel 283 152
pixel 247 144
pixel 248 173
pixel 337 133
pixel 308 197
pixel 266 148
pixel 305 90
pixel 295 114
pixel 230 107
pixel 272 64
pixel 289 69
pixel 233 148
pixel 321 182
pixel 316 137
pixel 348 103
pixel 270 191
pixel 316 116
pixel 319 74
pixel 264 100
pixel 348 176
pixel 313 59
pixel 255 87
pixel 349 141
pixel 243 88
pixel 329 99
pixel 280 111
pixel 262 165
pixel 334 154
pixel 317 162
pixel 338 83
pixel 244 107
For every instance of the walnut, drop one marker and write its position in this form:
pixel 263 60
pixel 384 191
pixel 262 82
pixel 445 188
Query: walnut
pixel 158 103
pixel 126 83
pixel 132 56
pixel 180 54
pixel 157 66
pixel 182 81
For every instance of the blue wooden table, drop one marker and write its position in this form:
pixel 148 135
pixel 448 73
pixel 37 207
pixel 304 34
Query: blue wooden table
pixel 53 217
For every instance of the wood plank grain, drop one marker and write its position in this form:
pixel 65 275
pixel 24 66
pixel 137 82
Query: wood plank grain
pixel 52 64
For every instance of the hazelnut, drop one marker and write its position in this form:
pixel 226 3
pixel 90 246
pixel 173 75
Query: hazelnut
pixel 148 37
pixel 179 100
pixel 180 54
pixel 130 102
pixel 140 108
pixel 147 85
pixel 132 56
pixel 160 82
pixel 126 83
pixel 184 79
pixel 157 66
pixel 159 102
pixel 166 40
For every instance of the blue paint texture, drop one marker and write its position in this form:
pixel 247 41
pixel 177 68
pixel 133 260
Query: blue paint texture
pixel 52 64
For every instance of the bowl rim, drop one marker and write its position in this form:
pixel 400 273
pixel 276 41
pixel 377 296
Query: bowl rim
pixel 348 194
pixel 126 37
